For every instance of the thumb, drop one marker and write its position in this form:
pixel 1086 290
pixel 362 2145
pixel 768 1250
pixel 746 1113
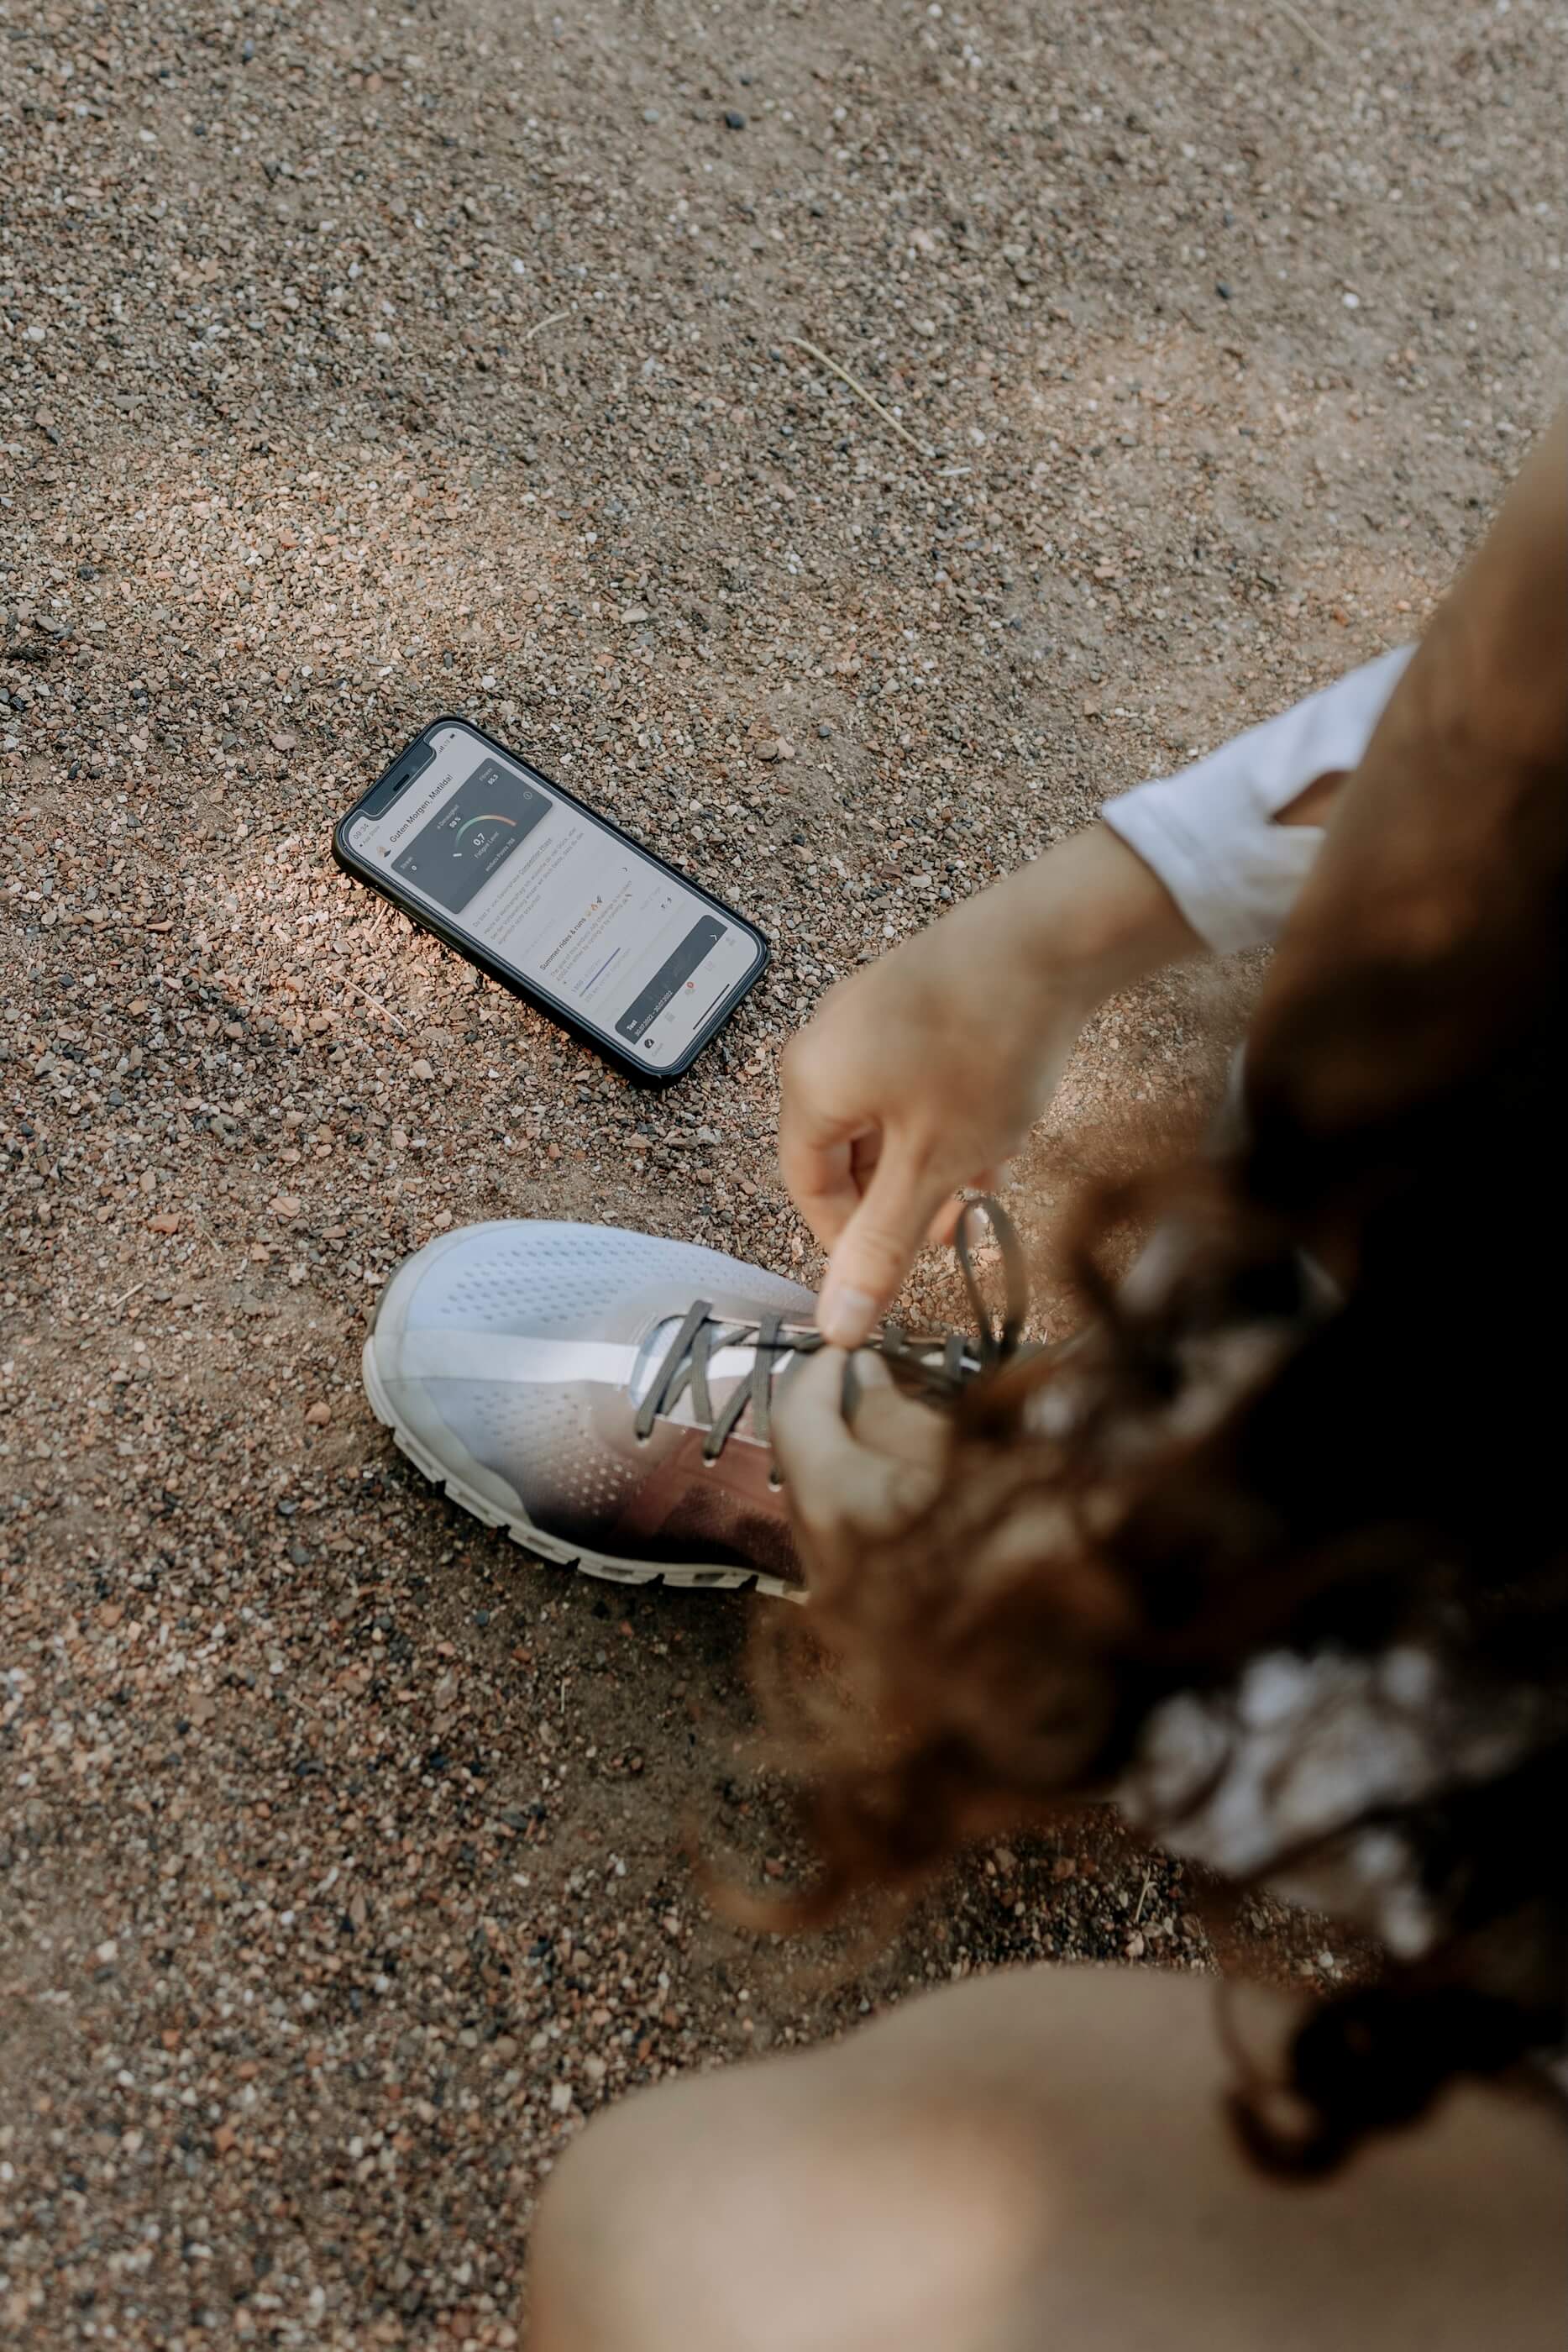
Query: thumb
pixel 876 1249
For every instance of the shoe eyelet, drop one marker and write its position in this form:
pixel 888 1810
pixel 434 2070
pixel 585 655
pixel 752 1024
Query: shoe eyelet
pixel 775 1483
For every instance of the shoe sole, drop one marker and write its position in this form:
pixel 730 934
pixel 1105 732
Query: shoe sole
pixel 604 1565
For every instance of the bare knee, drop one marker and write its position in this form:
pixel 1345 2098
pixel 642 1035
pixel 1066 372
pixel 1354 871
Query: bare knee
pixel 767 2211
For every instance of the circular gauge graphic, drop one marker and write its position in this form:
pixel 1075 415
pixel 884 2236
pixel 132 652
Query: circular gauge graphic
pixel 481 841
pixel 472 834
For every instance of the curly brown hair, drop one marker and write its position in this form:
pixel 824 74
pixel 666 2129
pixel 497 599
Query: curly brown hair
pixel 1376 1463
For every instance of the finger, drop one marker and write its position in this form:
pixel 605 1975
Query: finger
pixel 808 1413
pixel 864 1153
pixel 890 1423
pixel 944 1223
pixel 841 1490
pixel 877 1247
pixel 817 1157
pixel 821 1181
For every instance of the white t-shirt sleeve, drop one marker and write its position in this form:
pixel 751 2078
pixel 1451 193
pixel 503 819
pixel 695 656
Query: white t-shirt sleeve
pixel 1210 833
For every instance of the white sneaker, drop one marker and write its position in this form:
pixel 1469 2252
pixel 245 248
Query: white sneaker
pixel 605 1396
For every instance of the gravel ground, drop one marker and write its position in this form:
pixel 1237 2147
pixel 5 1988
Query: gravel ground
pixel 359 366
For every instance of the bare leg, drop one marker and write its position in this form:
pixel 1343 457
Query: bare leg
pixel 1035 2160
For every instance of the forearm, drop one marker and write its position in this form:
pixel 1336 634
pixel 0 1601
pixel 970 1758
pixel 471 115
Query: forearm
pixel 1210 859
pixel 1087 918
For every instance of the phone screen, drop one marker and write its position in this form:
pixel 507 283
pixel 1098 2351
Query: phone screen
pixel 629 950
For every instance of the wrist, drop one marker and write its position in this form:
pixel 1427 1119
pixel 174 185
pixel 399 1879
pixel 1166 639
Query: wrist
pixel 1092 918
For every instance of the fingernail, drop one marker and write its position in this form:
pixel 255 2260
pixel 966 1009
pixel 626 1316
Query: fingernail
pixel 844 1315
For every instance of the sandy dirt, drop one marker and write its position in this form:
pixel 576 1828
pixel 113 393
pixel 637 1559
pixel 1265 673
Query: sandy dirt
pixel 358 366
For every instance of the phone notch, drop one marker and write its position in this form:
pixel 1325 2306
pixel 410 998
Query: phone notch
pixel 414 763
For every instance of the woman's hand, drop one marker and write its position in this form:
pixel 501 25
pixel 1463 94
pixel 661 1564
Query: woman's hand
pixel 926 1071
pixel 854 1482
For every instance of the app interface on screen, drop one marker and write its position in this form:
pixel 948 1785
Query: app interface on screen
pixel 568 906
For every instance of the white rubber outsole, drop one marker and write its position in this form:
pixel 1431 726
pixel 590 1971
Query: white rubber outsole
pixel 529 1538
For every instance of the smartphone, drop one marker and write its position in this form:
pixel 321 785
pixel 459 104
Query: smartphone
pixel 552 900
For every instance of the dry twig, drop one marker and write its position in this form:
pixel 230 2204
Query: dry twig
pixel 1304 25
pixel 859 389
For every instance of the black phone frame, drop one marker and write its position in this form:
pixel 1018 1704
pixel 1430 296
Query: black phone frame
pixel 431 919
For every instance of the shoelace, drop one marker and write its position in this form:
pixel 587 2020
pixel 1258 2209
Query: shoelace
pixel 936 1366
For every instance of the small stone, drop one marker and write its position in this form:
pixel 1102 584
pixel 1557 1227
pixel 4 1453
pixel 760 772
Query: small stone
pixel 734 122
pixel 318 1414
pixel 421 1069
pixel 560 2098
pixel 165 1222
pixel 285 1206
pixel 633 613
